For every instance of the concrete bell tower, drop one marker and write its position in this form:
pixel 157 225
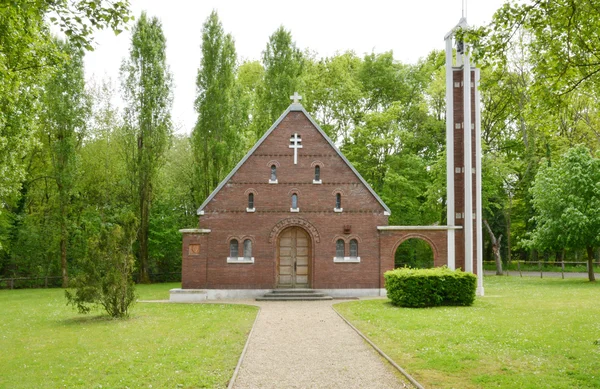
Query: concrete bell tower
pixel 463 158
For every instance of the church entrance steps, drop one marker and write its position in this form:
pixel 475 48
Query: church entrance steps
pixel 294 295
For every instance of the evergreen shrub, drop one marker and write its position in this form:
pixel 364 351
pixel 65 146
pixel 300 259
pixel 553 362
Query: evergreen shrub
pixel 417 288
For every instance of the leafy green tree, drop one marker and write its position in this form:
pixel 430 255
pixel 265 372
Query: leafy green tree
pixel 560 39
pixel 146 85
pixel 333 93
pixel 283 63
pixel 28 56
pixel 216 140
pixel 566 198
pixel 65 110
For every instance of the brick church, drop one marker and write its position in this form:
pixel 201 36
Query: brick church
pixel 295 213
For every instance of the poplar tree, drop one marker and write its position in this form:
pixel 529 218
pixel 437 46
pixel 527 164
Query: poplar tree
pixel 66 108
pixel 146 85
pixel 215 138
pixel 283 63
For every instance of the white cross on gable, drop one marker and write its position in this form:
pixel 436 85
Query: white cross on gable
pixel 296 97
pixel 295 143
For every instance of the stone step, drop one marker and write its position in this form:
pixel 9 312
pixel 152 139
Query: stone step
pixel 296 298
pixel 293 290
pixel 293 294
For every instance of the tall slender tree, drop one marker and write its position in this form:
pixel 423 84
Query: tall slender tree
pixel 146 85
pixel 283 63
pixel 66 108
pixel 215 138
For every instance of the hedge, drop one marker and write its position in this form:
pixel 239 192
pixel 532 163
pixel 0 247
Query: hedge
pixel 417 288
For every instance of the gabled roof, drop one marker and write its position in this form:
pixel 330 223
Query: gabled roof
pixel 292 107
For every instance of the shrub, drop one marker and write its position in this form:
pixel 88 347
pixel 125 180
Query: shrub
pixel 105 272
pixel 417 288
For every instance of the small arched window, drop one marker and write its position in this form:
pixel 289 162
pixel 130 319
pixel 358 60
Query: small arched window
pixel 339 248
pixel 317 173
pixel 273 174
pixel 233 248
pixel 251 201
pixel 338 201
pixel 294 201
pixel 353 248
pixel 247 249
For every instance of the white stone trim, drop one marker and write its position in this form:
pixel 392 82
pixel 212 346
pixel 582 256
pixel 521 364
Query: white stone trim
pixel 417 228
pixel 338 209
pixel 317 181
pixel 199 295
pixel 240 260
pixel 273 181
pixel 294 209
pixel 346 259
pixel 386 213
pixel 195 231
pixel 250 209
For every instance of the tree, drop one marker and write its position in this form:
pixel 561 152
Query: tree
pixel 566 198
pixel 66 107
pixel 28 56
pixel 283 63
pixel 146 85
pixel 105 271
pixel 215 139
pixel 562 32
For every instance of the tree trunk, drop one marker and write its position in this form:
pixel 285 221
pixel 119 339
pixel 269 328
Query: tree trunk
pixel 590 253
pixel 143 233
pixel 63 259
pixel 495 248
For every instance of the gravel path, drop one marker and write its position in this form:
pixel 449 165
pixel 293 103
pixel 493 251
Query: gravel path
pixel 305 344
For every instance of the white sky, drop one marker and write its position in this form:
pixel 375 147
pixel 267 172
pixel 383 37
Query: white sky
pixel 410 28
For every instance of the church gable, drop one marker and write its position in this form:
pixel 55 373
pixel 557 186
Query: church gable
pixel 294 156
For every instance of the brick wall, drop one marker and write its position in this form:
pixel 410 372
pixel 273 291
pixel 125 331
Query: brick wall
pixel 459 181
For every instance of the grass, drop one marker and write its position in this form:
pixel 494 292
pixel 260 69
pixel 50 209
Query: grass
pixel 525 333
pixel 46 344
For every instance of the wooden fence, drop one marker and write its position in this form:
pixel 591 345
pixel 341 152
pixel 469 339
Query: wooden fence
pixel 542 266
pixel 56 281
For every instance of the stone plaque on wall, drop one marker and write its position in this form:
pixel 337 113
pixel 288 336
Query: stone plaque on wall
pixel 194 249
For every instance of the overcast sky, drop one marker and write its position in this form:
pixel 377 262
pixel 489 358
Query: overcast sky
pixel 410 28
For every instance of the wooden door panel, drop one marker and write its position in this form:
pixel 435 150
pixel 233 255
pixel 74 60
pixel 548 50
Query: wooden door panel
pixel 294 258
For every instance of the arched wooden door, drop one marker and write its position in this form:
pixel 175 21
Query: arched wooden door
pixel 293 259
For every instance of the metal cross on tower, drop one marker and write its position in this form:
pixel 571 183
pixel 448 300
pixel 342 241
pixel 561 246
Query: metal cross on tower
pixel 296 97
pixel 295 143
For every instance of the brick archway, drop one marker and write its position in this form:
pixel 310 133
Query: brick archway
pixel 391 237
pixel 294 222
pixel 423 237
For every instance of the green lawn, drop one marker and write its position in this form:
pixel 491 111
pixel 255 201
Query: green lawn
pixel 45 344
pixel 525 333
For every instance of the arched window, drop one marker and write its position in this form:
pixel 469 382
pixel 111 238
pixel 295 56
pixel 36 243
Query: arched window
pixel 273 178
pixel 339 248
pixel 338 201
pixel 250 200
pixel 317 173
pixel 233 248
pixel 294 201
pixel 247 249
pixel 353 248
